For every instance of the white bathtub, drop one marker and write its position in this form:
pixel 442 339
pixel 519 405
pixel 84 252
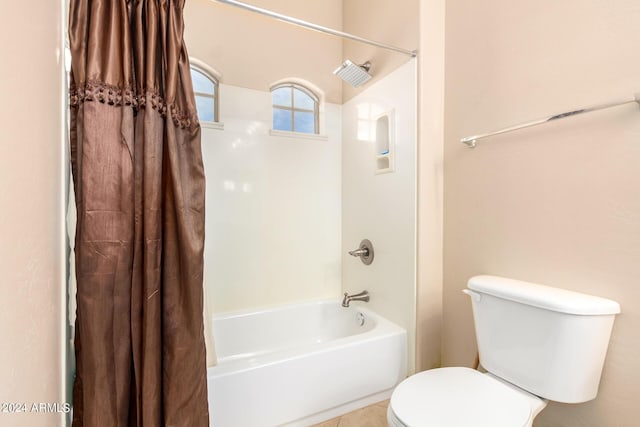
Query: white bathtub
pixel 301 364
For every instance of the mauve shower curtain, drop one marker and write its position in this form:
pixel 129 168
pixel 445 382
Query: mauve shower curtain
pixel 139 186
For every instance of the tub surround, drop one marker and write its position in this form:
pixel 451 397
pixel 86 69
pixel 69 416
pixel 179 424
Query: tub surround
pixel 381 207
pixel 271 200
pixel 273 220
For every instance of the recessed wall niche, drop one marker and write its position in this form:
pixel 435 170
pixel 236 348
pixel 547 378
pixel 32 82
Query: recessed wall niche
pixel 385 142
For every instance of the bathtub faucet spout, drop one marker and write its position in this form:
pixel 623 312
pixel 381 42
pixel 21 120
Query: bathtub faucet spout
pixel 362 296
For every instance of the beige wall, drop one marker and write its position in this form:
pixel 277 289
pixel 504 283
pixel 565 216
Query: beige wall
pixel 556 204
pixel 254 51
pixel 31 257
pixel 391 22
pixel 430 184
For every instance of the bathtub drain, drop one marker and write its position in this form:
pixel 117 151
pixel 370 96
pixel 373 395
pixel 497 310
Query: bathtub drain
pixel 360 319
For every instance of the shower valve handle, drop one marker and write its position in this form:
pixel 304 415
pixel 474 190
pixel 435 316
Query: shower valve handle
pixel 359 252
pixel 364 251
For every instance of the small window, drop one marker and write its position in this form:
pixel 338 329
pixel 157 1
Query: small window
pixel 295 108
pixel 205 89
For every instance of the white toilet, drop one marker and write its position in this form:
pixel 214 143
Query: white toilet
pixel 535 341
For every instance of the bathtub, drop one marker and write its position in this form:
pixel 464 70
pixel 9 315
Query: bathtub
pixel 302 364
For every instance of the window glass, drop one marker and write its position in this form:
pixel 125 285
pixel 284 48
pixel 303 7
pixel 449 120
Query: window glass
pixel 201 83
pixel 302 100
pixel 295 108
pixel 205 88
pixel 304 121
pixel 282 96
pixel 282 119
pixel 206 108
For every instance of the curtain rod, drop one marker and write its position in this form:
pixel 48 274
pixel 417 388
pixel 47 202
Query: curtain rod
pixel 316 27
pixel 471 140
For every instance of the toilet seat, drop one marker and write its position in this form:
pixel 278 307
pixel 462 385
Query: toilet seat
pixel 461 397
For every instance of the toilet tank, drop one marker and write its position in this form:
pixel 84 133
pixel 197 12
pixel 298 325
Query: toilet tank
pixel 551 342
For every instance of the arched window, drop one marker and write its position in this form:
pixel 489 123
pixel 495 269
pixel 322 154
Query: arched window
pixel 295 108
pixel 205 88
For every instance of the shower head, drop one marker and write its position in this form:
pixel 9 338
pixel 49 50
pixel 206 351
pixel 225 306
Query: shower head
pixel 354 74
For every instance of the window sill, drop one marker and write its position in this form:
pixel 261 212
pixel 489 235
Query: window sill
pixel 212 125
pixel 303 135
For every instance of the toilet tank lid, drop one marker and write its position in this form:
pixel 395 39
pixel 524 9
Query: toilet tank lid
pixel 541 296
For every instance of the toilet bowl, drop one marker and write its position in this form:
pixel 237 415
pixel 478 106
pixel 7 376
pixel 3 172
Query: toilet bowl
pixel 461 397
pixel 536 342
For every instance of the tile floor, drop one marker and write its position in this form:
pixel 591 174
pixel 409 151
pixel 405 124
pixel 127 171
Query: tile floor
pixel 370 416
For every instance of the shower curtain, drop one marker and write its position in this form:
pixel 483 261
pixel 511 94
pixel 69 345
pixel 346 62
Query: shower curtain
pixel 139 187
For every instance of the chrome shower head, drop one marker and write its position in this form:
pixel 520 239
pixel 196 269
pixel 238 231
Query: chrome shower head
pixel 354 74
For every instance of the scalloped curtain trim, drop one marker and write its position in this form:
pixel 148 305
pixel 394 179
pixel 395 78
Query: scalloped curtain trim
pixel 113 95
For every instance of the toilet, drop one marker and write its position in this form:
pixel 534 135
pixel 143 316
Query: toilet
pixel 537 343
